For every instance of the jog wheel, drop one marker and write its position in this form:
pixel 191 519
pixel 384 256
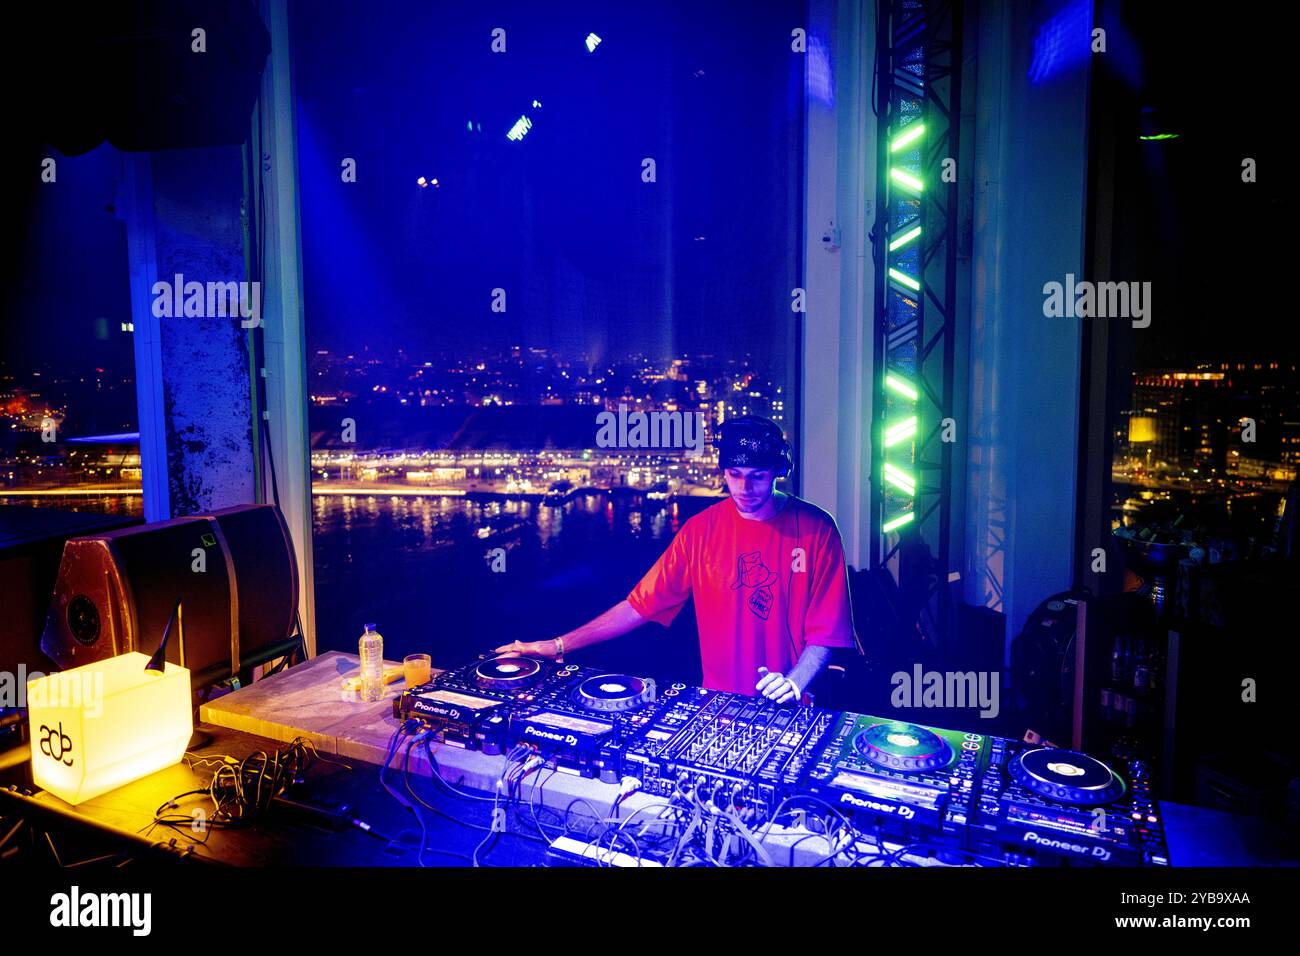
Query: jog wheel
pixel 1067 775
pixel 613 692
pixel 895 745
pixel 508 673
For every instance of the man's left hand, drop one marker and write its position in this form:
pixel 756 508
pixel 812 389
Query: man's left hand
pixel 777 687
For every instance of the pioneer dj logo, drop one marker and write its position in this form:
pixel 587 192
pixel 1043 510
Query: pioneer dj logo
pixel 56 744
pixel 1100 852
pixel 439 709
pixel 905 812
pixel 548 735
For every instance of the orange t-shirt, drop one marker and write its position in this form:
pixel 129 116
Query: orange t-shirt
pixel 759 599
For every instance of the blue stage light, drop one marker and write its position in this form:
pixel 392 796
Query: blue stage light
pixel 1063 41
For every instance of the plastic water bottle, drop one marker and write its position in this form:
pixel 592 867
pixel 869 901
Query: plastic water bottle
pixel 371 652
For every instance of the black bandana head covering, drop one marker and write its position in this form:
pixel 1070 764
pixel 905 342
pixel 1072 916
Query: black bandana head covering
pixel 751 442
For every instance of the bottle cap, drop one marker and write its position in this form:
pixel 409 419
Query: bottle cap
pixel 370 627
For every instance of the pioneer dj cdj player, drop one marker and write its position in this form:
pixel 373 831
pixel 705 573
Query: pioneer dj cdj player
pixel 1046 803
pixel 580 718
pixel 962 794
pixel 900 779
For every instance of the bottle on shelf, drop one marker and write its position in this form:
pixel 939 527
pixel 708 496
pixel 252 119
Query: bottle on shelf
pixel 1155 668
pixel 371 652
pixel 1141 667
pixel 1119 659
pixel 1119 705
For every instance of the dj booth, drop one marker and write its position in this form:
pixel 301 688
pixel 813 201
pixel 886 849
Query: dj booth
pixel 508 760
pixel 346 812
pixel 560 796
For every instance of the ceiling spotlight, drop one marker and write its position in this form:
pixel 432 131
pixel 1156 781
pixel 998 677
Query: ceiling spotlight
pixel 520 129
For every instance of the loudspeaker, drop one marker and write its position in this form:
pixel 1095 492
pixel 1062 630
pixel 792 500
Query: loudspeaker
pixel 234 572
pixel 31 545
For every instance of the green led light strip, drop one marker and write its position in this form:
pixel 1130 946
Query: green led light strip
pixel 907 179
pixel 896 384
pixel 904 279
pixel 900 389
pixel 898 522
pixel 905 238
pixel 909 135
pixel 900 432
pixel 900 480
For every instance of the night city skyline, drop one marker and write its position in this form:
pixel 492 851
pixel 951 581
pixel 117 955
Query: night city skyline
pixel 815 434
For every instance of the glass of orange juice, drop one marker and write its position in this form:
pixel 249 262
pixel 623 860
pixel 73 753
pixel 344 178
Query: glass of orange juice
pixel 417 668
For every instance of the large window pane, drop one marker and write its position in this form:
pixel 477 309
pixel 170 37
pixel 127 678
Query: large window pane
pixel 606 213
pixel 68 421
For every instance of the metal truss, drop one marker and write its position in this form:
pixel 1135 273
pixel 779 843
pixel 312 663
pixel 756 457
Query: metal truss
pixel 917 103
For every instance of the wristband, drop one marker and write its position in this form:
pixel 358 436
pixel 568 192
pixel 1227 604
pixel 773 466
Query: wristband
pixel 559 649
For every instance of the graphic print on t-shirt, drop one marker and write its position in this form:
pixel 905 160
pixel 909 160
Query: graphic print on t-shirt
pixel 751 572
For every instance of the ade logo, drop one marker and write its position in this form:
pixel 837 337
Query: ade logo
pixel 56 744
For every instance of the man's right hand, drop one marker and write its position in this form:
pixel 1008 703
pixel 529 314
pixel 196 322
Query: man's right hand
pixel 531 648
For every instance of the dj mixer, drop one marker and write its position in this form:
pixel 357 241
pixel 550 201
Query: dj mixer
pixel 745 750
pixel 962 793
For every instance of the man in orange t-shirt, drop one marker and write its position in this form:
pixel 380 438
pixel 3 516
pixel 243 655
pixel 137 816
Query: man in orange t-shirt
pixel 766 570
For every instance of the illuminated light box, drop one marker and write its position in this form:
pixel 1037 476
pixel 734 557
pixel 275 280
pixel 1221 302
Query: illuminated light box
pixel 102 725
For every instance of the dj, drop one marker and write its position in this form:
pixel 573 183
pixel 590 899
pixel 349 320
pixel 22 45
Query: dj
pixel 766 570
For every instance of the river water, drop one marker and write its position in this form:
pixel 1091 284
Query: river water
pixel 421 568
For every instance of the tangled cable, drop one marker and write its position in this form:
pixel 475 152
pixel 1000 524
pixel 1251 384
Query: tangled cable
pixel 239 791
